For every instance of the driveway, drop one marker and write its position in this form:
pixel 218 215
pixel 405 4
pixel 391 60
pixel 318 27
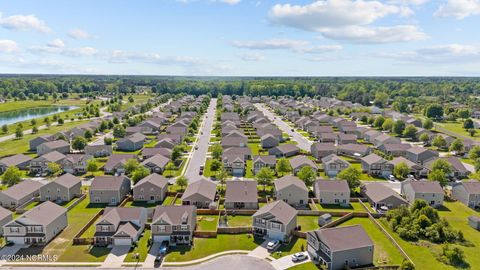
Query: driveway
pixel 7 252
pixel 303 143
pixel 286 262
pixel 261 251
pixel 116 256
pixel 152 254
pixel 198 156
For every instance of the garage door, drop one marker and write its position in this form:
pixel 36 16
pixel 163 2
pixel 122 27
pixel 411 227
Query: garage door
pixel 161 238
pixel 16 240
pixel 275 235
pixel 122 241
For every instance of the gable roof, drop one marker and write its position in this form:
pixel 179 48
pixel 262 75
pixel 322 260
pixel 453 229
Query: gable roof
pixel 22 189
pixel 332 185
pixel 203 187
pixel 289 180
pixel 241 191
pixel 42 214
pixel 298 161
pixel 267 159
pixel 15 160
pixel 426 187
pixel 279 210
pixel 344 238
pixel 154 179
pixel 108 182
pixel 174 214
pixel 67 180
pixel 472 187
pixel 378 192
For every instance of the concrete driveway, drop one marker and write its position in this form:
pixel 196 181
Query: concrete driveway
pixel 261 251
pixel 152 254
pixel 286 262
pixel 7 252
pixel 116 257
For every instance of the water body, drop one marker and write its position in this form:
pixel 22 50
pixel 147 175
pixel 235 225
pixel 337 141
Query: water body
pixel 10 117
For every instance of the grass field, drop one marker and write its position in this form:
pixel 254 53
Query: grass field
pixel 207 222
pixel 141 248
pixel 239 221
pixel 295 245
pixel 308 223
pixel 354 207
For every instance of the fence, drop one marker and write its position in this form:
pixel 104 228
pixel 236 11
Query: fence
pixel 205 234
pixel 77 240
pixel 383 267
pixel 234 230
pixel 80 198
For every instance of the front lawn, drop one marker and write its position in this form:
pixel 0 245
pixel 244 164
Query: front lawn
pixel 295 245
pixel 203 247
pixel 141 248
pixel 168 201
pixel 255 147
pixel 207 223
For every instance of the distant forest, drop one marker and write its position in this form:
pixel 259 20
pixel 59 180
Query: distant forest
pixel 402 91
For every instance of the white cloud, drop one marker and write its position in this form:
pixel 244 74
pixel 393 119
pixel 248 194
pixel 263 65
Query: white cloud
pixel 79 34
pixel 438 54
pixel 252 57
pixel 118 56
pixel 459 9
pixel 56 43
pixel 24 22
pixel 230 2
pixel 269 44
pixel 361 34
pixel 8 46
pixel 57 46
pixel 320 49
pixel 408 2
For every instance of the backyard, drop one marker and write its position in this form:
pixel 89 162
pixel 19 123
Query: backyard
pixel 207 222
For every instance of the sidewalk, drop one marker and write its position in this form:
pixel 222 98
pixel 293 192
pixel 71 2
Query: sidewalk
pixel 204 259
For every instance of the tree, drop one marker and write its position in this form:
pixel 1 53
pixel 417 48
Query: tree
pixel 427 124
pixel 464 113
pixel 283 166
pixel 11 176
pixel 107 140
pixel 401 170
pixel 439 142
pixel 424 138
pixel 34 130
pixel 79 143
pixel 434 111
pixel 215 165
pixel 33 122
pixel 352 175
pixel 182 182
pixel 387 124
pixel 439 176
pixel 217 151
pixel 88 135
pixel 4 128
pixel 92 166
pixel 265 177
pixel 474 152
pixel 139 173
pixel 407 265
pixel 442 165
pixel 131 165
pixel 472 132
pixel 18 132
pixel 177 152
pixel 456 146
pixel 468 124
pixel 398 127
pixel 221 177
pixel 54 168
pixel 378 123
pixel 410 132
pixel 60 121
pixel 381 99
pixel 46 120
pixel 307 175
pixel 119 131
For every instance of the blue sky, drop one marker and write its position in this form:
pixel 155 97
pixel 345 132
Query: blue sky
pixel 241 37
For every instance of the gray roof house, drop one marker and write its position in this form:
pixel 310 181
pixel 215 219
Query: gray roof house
pixel 320 150
pixel 332 192
pixel 346 138
pixel 269 141
pixel 284 150
pixel 63 188
pixel 156 164
pixel 19 194
pixel 37 226
pixel 40 164
pixel 234 164
pixel 458 169
pixel 39 140
pixel 75 163
pixel 116 162
pixel 291 190
pixel 467 193
pixel 340 247
pixel 50 146
pixel 200 193
pixel 353 150
pixel 20 161
pixel 415 169
pixel 234 142
pixel 101 150
pixel 152 188
pixel 395 149
pixel 5 217
pixel 149 152
pixel 263 161
pixel 109 189
pixel 420 155
pixel 276 220
pixel 385 139
pixel 429 191
pixel 299 162
pixel 133 142
pixel 241 194
pixel 174 224
pixel 379 195
pixel 120 226
pixel 374 164
pixel 333 164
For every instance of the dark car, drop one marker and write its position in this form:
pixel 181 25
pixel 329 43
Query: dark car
pixel 162 251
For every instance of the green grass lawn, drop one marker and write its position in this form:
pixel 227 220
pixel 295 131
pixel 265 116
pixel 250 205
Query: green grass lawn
pixel 141 204
pixel 207 222
pixel 305 266
pixel 255 147
pixel 308 223
pixel 168 200
pixel 455 127
pixel 354 207
pixel 84 253
pixel 206 170
pixel 249 169
pixel 295 245
pixel 239 221
pixel 203 247
pixel 141 248
pixel 385 252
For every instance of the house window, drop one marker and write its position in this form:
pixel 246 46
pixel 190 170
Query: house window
pixel 162 228
pixel 276 226
pixel 14 230
pixel 104 228
pixel 184 228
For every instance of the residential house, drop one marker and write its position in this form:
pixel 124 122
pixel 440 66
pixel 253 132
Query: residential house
pixel 152 188
pixel 50 146
pixel 333 164
pixel 174 224
pixel 458 169
pixel 120 226
pixel 200 193
pixel 40 164
pixel 332 192
pixel 429 191
pixel 20 161
pixel 150 152
pixel 327 137
pixel 276 220
pixel 75 163
pixel 35 142
pixel 101 150
pixel 421 155
pixel 298 162
pixel 62 189
pixel 109 189
pixel 376 165
pixel 156 164
pixel 353 150
pixel 379 195
pixel 385 139
pixel 370 135
pixel 395 149
pixel 245 151
pixel 241 194
pixel 321 150
pixel 5 217
pixel 467 193
pixel 261 161
pixel 284 150
pixel 269 141
pixel 234 164
pixel 19 194
pixel 116 162
pixel 415 169
pixel 131 143
pixel 291 190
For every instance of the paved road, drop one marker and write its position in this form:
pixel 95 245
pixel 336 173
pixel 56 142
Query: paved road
pixel 303 143
pixel 286 262
pixel 232 262
pixel 198 156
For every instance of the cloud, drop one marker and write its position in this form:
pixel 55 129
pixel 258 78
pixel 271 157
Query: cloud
pixel 270 44
pixel 251 57
pixel 459 9
pixel 56 43
pixel 438 54
pixel 79 34
pixel 361 34
pixel 57 46
pixel 118 56
pixel 8 46
pixel 408 2
pixel 24 23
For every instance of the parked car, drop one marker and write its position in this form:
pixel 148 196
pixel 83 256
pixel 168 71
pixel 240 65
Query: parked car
pixel 299 256
pixel 196 147
pixel 272 245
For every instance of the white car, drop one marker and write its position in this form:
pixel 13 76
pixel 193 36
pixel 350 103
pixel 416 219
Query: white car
pixel 273 244
pixel 299 256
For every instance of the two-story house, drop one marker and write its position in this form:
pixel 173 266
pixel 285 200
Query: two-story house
pixel 332 192
pixel 333 164
pixel 120 226
pixel 174 224
pixel 109 189
pixel 291 190
pixel 63 188
pixel 152 188
pixel 276 221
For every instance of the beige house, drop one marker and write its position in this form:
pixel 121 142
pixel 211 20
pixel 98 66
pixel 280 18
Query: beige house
pixel 332 192
pixel 120 226
pixel 200 193
pixel 152 188
pixel 291 190
pixel 19 194
pixel 174 224
pixel 5 217
pixel 276 220
pixel 109 189
pixel 429 191
pixel 63 188
pixel 241 194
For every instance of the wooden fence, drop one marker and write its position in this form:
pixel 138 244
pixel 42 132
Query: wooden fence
pixel 80 198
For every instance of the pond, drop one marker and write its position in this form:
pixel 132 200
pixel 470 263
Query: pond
pixel 10 117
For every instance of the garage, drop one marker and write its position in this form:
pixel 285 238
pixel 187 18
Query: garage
pixel 161 238
pixel 122 241
pixel 16 240
pixel 276 235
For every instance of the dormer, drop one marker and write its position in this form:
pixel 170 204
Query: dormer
pixel 185 218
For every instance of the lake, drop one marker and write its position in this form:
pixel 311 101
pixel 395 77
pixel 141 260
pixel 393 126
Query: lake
pixel 10 117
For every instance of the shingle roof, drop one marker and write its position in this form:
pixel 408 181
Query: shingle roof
pixel 281 210
pixel 378 192
pixel 15 160
pixel 289 180
pixel 22 189
pixel 155 179
pixel 372 158
pixel 426 186
pixel 298 161
pixel 472 187
pixel 267 159
pixel 107 182
pixel 173 214
pixel 204 187
pixel 344 238
pixel 67 180
pixel 241 191
pixel 332 185
pixel 42 214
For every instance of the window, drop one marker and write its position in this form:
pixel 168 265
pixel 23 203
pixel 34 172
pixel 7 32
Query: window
pixel 162 228
pixel 276 226
pixel 14 230
pixel 184 228
pixel 104 228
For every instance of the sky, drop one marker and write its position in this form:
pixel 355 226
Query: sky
pixel 241 37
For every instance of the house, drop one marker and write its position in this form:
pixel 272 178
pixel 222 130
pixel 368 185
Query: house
pixel 156 164
pixel 63 188
pixel 343 138
pixel 241 194
pixel 379 195
pixel 284 150
pixel 332 192
pixel 19 194
pixel 150 152
pixel 234 164
pixel 109 189
pixel 101 150
pixel 75 163
pixel 116 163
pixel 200 193
pixel 353 150
pixel 374 164
pixel 298 162
pixel 50 146
pixel 429 191
pixel 420 155
pixel 20 161
pixel 458 169
pixel 415 169
pixel 174 224
pixel 340 247
pixel 40 164
pixel 333 164
pixel 370 135
pixel 35 142
pixel 152 188
pixel 321 150
pixel 37 226
pixel 327 137
pixel 245 151
pixel 120 226
pixel 275 221
pixel 467 193
pixel 291 190
pixel 263 161
pixel 395 149
pixel 131 143
pixel 5 217
pixel 269 141
pixel 385 139
pixel 234 142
